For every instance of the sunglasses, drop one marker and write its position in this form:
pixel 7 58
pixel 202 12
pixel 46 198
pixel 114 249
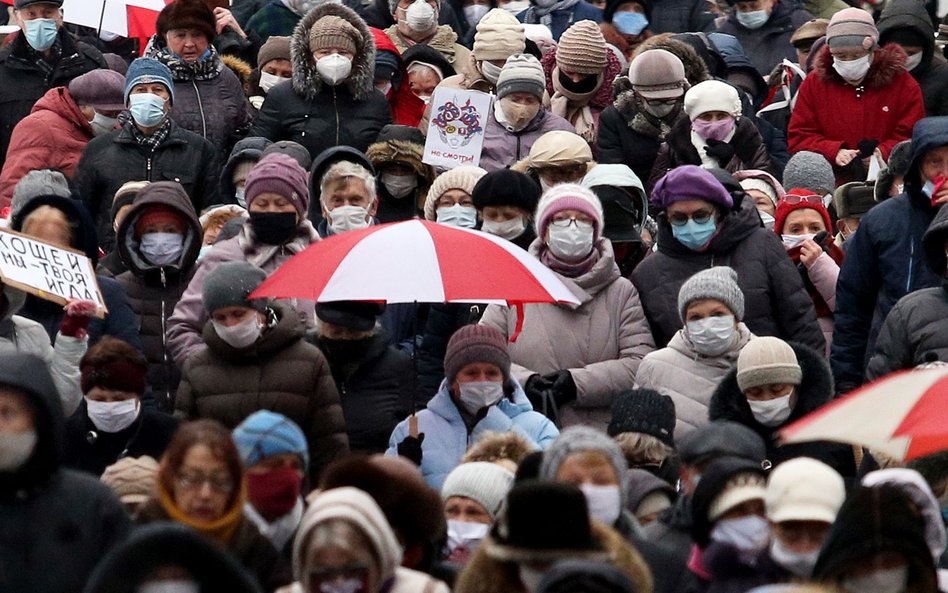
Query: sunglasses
pixel 700 217
pixel 794 199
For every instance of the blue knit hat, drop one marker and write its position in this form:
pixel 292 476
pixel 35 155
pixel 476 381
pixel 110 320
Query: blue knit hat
pixel 146 70
pixel 265 433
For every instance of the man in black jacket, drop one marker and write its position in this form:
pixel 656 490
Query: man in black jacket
pixel 148 147
pixel 42 55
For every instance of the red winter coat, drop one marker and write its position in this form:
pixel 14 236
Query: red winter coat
pixel 831 114
pixel 52 136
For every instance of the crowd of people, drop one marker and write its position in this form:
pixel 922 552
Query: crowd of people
pixel 743 198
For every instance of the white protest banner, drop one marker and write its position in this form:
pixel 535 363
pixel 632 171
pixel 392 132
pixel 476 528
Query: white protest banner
pixel 456 130
pixel 52 273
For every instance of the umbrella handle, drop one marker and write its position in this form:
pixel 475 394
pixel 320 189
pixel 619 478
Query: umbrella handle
pixel 550 409
pixel 413 425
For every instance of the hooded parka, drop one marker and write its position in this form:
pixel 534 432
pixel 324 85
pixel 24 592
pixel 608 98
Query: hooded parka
pixel 319 116
pixel 57 523
pixel 396 146
pixel 279 372
pixel 932 72
pixel 776 302
pixel 153 291
pixel 600 342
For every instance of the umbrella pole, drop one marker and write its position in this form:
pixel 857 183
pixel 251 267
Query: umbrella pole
pixel 101 17
pixel 413 419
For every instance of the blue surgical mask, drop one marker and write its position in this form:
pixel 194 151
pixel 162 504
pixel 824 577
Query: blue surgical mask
pixel 752 19
pixel 147 109
pixel 928 189
pixel 695 235
pixel 41 33
pixel 630 23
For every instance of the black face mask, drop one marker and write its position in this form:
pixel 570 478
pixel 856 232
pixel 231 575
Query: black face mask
pixel 345 351
pixel 273 228
pixel 585 85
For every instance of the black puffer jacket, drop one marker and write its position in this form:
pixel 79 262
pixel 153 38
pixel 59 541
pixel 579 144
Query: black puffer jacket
pixel 111 160
pixel 776 303
pixel 815 390
pixel 914 331
pixel 375 390
pixel 932 73
pixel 154 291
pixel 57 523
pixel 316 115
pixel 279 372
pixel 23 81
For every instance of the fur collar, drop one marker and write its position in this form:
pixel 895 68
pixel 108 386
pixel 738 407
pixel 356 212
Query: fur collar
pixel 630 109
pixel 306 81
pixel 888 62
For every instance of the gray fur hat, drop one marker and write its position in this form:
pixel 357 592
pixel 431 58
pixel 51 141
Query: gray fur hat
pixel 900 159
pixel 578 439
pixel 809 170
pixel 229 284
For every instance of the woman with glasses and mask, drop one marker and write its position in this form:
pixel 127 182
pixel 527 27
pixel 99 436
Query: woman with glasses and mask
pixel 573 359
pixel 701 225
pixel 803 225
pixel 200 484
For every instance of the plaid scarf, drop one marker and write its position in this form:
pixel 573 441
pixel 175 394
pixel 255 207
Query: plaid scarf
pixel 151 143
pixel 210 66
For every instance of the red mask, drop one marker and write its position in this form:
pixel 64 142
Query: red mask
pixel 274 493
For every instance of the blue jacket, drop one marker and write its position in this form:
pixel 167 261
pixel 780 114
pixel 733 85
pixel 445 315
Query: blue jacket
pixel 884 262
pixel 564 19
pixel 447 437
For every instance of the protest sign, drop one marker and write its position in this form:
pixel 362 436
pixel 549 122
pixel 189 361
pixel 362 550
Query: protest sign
pixel 52 273
pixel 456 130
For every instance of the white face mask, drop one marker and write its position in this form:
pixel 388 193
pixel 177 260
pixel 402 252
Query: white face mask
pixel 15 449
pixel 348 218
pixel 490 71
pixel 530 577
pixel 421 17
pixel 711 336
pixel 457 215
pixel 399 186
pixel 517 6
pixel 333 68
pixel 240 196
pixel 474 13
pixel 747 534
pixel 886 580
pixel 768 221
pixel 101 124
pixel 571 243
pixel 175 586
pixel 852 70
pixel 162 249
pixel 800 564
pixel 913 61
pixel 605 502
pixel 466 533
pixel 241 335
pixel 506 229
pixel 267 81
pixel 771 412
pixel 113 416
pixel 478 395
pixel 791 241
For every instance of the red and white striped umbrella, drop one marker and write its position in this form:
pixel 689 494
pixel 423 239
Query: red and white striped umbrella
pixel 416 261
pixel 904 415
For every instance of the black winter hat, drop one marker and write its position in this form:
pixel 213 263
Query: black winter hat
pixel 526 533
pixel 506 188
pixel 569 576
pixel 613 5
pixel 18 4
pixel 356 315
pixel 721 438
pixel 401 133
pixel 646 411
pixel 714 480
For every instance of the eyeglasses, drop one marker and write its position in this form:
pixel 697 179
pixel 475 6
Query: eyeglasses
pixel 221 484
pixel 794 199
pixel 562 174
pixel 566 222
pixel 681 219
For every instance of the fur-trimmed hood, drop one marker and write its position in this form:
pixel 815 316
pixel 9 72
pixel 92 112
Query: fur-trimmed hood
pixel 406 153
pixel 306 81
pixel 484 574
pixel 242 69
pixel 887 63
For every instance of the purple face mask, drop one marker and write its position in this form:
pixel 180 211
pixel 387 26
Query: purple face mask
pixel 713 130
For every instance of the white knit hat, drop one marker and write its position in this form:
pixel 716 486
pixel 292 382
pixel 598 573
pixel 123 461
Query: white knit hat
pixel 760 185
pixel 568 196
pixel 521 74
pixel 804 489
pixel 712 95
pixel 464 178
pixel 498 36
pixel 483 482
pixel 767 360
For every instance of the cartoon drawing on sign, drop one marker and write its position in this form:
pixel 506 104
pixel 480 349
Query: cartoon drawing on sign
pixel 458 125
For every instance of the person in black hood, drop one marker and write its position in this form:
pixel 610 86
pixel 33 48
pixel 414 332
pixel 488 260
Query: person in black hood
pixel 165 548
pixel 57 523
pixel 66 223
pixel 317 170
pixel 234 174
pixel 907 24
pixel 877 544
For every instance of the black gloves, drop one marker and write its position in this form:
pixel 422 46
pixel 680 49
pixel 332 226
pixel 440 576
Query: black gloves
pixel 410 448
pixel 535 389
pixel 722 152
pixel 564 388
pixel 547 393
pixel 866 148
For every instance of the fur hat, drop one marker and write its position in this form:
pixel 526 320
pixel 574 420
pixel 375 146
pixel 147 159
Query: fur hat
pixel 229 285
pixel 498 35
pixel 476 343
pixel 766 360
pixel 568 196
pixel 464 178
pixel 485 483
pixel 187 14
pixel 809 170
pixel 334 32
pixel 582 49
pixel 712 95
pixel 718 283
